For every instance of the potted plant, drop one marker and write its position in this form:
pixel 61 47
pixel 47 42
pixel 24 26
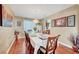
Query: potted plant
pixel 75 42
pixel 35 28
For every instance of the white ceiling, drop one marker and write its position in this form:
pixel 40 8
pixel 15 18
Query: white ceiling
pixel 37 10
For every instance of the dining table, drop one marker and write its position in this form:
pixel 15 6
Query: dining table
pixel 38 40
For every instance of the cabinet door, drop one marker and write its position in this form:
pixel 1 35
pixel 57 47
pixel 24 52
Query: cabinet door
pixel 0 14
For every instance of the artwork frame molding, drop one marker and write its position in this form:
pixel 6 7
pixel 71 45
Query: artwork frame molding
pixel 7 22
pixel 18 23
pixel 60 22
pixel 72 19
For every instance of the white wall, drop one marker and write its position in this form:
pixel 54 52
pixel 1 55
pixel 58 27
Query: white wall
pixel 6 38
pixel 66 31
pixel 7 33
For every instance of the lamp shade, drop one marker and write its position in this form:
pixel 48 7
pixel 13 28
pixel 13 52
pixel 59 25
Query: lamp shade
pixel 36 21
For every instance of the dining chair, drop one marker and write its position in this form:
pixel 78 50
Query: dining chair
pixel 29 47
pixel 46 31
pixel 27 37
pixel 16 33
pixel 51 46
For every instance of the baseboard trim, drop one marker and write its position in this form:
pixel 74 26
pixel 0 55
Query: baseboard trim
pixel 65 45
pixel 10 46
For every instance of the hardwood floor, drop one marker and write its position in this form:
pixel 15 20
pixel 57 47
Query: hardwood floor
pixel 19 47
pixel 64 50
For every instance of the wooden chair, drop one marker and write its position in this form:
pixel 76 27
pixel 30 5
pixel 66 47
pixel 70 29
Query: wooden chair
pixel 16 33
pixel 29 47
pixel 51 46
pixel 46 31
pixel 27 37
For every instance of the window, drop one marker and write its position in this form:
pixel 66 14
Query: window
pixel 29 25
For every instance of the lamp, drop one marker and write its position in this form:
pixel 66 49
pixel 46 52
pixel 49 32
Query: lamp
pixel 36 21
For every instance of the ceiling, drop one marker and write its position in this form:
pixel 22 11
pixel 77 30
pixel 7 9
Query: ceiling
pixel 37 10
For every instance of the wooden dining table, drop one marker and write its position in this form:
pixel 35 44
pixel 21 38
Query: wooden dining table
pixel 37 41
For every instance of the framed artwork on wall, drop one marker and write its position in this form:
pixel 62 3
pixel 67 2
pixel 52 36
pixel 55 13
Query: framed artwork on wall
pixel 7 18
pixel 61 22
pixel 71 21
pixel 6 23
pixel 19 23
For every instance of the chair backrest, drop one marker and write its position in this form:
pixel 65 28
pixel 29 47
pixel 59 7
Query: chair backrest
pixel 16 33
pixel 52 44
pixel 28 43
pixel 46 32
pixel 27 37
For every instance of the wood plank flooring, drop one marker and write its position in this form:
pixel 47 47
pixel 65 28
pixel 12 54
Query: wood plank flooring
pixel 64 50
pixel 20 48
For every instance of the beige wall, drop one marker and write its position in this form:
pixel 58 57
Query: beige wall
pixel 6 38
pixel 7 33
pixel 66 31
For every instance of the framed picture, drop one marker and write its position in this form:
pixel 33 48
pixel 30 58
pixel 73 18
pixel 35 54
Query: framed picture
pixel 61 22
pixel 6 23
pixel 71 21
pixel 18 23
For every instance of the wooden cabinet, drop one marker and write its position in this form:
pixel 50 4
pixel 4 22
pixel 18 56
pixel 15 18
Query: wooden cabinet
pixel 0 14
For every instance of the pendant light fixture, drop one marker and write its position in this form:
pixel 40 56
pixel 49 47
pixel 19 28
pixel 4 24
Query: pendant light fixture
pixel 36 21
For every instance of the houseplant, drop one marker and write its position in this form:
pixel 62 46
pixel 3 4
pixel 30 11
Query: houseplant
pixel 75 42
pixel 35 28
